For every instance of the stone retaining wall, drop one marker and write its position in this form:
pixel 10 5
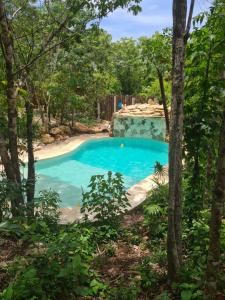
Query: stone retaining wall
pixel 140 120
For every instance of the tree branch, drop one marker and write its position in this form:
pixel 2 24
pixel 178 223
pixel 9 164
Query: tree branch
pixel 188 26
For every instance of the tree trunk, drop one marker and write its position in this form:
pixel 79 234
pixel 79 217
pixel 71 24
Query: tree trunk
pixel 213 263
pixel 30 186
pixel 11 93
pixel 6 159
pixel 161 83
pixel 72 118
pixel 174 240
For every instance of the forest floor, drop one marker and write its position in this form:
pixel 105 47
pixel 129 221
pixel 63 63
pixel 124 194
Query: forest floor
pixel 116 262
pixel 119 262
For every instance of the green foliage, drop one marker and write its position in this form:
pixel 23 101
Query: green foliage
pixel 124 291
pixel 47 208
pixel 195 241
pixel 155 211
pixel 60 268
pixel 4 201
pixel 106 201
pixel 150 277
pixel 129 67
pixel 156 54
pixel 153 89
pixel 204 97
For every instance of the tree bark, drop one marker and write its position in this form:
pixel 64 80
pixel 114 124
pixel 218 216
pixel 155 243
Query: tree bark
pixel 217 210
pixel 11 93
pixel 174 240
pixel 6 159
pixel 162 89
pixel 30 185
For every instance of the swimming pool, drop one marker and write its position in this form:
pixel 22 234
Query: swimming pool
pixel 68 174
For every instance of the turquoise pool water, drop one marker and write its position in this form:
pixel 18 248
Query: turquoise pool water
pixel 69 173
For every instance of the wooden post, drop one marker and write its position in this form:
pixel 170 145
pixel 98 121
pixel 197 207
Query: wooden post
pixel 114 104
pixel 133 100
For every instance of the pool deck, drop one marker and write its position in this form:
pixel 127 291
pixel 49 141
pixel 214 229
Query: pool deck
pixel 136 194
pixel 62 147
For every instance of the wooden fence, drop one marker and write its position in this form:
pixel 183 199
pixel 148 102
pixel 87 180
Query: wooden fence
pixel 110 105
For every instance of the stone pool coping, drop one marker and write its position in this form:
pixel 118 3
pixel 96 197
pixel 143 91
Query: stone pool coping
pixel 136 194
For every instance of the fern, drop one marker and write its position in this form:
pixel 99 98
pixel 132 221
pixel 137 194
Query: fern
pixel 154 210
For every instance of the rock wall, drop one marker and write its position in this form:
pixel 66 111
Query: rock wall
pixel 141 120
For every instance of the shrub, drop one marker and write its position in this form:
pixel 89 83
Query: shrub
pixel 60 270
pixel 4 201
pixel 155 211
pixel 47 208
pixel 106 201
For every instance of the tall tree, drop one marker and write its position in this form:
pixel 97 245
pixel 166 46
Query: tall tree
pixel 23 43
pixel 203 86
pixel 156 52
pixel 11 162
pixel 213 263
pixel 174 236
pixel 129 67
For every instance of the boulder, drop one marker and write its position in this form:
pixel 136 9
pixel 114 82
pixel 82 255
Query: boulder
pixel 56 131
pixel 65 129
pixel 47 139
pixel 61 137
pixel 103 126
pixel 81 128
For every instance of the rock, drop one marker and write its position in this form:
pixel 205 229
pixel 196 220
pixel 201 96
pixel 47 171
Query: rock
pixel 61 137
pixel 47 139
pixel 151 101
pixel 153 109
pixel 103 126
pixel 56 131
pixel 81 128
pixel 65 129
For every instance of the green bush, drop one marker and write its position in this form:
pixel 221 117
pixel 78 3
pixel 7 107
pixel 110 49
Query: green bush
pixel 106 201
pixel 150 278
pixel 47 208
pixel 60 269
pixel 124 291
pixel 155 211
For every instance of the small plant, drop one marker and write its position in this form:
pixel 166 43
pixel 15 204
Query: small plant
pixel 124 291
pixel 160 171
pixel 150 278
pixel 4 201
pixel 155 211
pixel 107 200
pixel 47 207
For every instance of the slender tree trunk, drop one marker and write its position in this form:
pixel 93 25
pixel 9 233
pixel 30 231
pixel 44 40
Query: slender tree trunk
pixel 62 115
pixel 208 174
pixel 213 263
pixel 11 93
pixel 162 89
pixel 49 115
pixel 174 240
pixel 30 186
pixel 72 118
pixel 7 47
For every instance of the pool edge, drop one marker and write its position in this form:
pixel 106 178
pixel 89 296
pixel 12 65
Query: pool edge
pixel 136 195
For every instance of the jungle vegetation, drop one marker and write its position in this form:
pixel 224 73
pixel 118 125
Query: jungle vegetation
pixel 56 64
